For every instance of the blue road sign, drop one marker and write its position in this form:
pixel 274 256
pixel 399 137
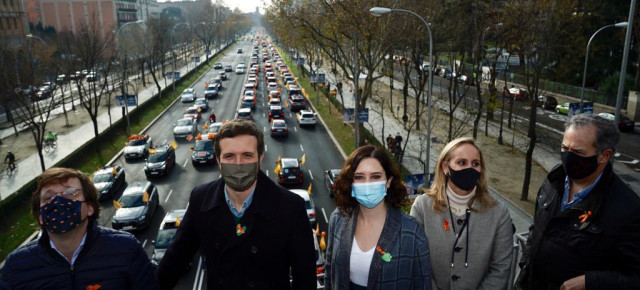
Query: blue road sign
pixel 132 100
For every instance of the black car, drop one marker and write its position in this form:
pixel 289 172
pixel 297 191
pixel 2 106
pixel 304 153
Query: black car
pixel 108 180
pixel 218 65
pixel 547 102
pixel 297 102
pixel 330 177
pixel 211 91
pixel 223 76
pixel 279 128
pixel 160 161
pixel 136 207
pixel 276 112
pixel 228 68
pixel 203 152
pixel 290 172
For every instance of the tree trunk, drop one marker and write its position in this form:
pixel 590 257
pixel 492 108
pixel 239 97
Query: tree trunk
pixel 529 156
pixel 476 122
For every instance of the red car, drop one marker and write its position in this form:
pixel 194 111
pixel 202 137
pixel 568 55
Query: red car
pixel 192 112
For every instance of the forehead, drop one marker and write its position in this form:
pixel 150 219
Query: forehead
pixel 239 144
pixel 58 186
pixel 368 165
pixel 465 151
pixel 579 138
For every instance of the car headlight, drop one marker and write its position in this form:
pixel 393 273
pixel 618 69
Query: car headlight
pixel 164 165
pixel 141 218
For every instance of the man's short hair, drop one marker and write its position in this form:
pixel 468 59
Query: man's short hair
pixel 607 134
pixel 235 128
pixel 59 175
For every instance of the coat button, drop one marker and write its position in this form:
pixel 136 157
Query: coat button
pixel 457 249
pixel 545 204
pixel 460 221
pixel 254 249
pixel 455 277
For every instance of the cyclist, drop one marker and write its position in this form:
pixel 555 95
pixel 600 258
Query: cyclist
pixel 212 117
pixel 11 159
pixel 50 138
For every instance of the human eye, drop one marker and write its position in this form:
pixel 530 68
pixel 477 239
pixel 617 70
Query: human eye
pixel 358 177
pixel 475 164
pixel 376 176
pixel 461 162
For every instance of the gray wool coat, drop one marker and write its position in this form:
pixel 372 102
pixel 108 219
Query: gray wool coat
pixel 490 246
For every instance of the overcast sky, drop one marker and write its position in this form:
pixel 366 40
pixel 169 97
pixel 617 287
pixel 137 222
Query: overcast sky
pixel 246 5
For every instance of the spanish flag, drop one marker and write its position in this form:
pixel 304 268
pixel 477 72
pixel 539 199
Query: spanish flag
pixel 309 189
pixel 303 159
pixel 145 197
pixel 117 205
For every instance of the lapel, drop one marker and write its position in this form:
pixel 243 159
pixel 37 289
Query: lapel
pixel 344 248
pixel 388 238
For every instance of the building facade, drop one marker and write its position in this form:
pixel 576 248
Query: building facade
pixel 13 20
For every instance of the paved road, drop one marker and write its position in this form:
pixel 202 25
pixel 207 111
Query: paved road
pixel 175 189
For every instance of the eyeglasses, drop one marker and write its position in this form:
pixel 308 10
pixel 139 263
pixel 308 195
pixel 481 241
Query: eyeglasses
pixel 69 192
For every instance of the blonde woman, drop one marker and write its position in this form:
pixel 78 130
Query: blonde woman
pixel 470 233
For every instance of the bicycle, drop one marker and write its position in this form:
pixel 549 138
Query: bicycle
pixel 8 171
pixel 50 145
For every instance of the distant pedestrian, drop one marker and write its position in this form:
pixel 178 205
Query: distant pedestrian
pixel 586 225
pixel 390 143
pixel 10 159
pixel 372 244
pixel 73 252
pixel 398 139
pixel 470 233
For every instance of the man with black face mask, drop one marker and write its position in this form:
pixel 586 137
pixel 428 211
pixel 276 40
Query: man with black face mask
pixel 252 233
pixel 73 252
pixel 586 229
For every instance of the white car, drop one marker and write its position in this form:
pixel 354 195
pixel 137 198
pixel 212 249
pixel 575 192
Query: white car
pixel 272 86
pixel 185 127
pixel 137 147
pixel 188 95
pixel 306 118
pixel 308 202
pixel 239 69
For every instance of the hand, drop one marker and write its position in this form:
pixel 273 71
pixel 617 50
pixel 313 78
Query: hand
pixel 575 283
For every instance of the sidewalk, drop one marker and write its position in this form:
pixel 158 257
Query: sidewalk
pixel 29 168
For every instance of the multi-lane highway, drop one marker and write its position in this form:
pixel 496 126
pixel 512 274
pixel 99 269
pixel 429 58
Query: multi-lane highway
pixel 174 190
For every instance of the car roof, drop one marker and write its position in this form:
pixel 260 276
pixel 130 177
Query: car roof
pixel 106 169
pixel 275 108
pixel 289 162
pixel 244 110
pixel 136 187
pixel 302 193
pixel 188 91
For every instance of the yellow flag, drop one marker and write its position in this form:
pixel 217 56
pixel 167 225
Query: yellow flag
pixel 177 221
pixel 152 151
pixel 116 204
pixel 309 189
pixel 303 159
pixel 205 126
pixel 174 144
pixel 278 168
pixel 145 197
pixel 114 171
pixel 317 231
pixel 279 159
pixel 323 244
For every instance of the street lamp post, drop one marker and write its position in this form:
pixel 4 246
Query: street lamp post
pixel 173 84
pixel 625 59
pixel 586 59
pixel 377 11
pixel 125 108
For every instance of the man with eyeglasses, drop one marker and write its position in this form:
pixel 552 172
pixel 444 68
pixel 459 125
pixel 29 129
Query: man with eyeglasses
pixel 586 228
pixel 73 252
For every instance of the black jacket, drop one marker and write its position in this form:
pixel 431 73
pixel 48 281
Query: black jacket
pixel 277 243
pixel 111 259
pixel 598 237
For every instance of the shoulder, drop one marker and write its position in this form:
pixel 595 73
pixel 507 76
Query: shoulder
pixel 26 253
pixel 423 202
pixel 116 237
pixel 409 223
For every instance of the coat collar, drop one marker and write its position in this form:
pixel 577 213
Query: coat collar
pixel 388 237
pixel 261 204
pixel 92 235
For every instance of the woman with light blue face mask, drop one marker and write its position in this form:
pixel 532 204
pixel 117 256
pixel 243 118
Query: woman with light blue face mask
pixel 372 244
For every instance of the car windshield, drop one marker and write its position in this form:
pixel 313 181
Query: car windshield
pixel 136 142
pixel 191 111
pixel 103 177
pixel 201 102
pixel 203 145
pixel 214 129
pixel 185 122
pixel 131 200
pixel 290 170
pixel 307 204
pixel 279 125
pixel 158 157
pixel 165 237
pixel 211 88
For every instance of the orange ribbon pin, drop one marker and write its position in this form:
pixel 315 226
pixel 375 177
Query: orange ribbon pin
pixel 445 226
pixel 583 217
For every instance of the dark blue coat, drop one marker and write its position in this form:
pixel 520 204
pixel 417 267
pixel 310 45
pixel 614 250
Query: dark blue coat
pixel 276 246
pixel 112 259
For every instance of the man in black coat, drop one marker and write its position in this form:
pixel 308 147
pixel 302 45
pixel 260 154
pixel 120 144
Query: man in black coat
pixel 252 233
pixel 73 252
pixel 586 230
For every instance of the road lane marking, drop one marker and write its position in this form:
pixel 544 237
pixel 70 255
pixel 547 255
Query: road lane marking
pixel 310 174
pixel 265 147
pixel 267 172
pixel 144 243
pixel 185 163
pixel 301 148
pixel 295 129
pixel 325 215
pixel 195 281
pixel 165 141
pixel 634 161
pixel 168 195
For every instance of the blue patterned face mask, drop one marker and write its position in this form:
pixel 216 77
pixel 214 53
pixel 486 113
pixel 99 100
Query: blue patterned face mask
pixel 369 194
pixel 61 214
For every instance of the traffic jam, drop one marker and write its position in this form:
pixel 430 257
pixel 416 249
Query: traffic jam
pixel 269 86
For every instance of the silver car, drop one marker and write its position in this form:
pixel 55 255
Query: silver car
pixel 188 95
pixel 137 205
pixel 185 127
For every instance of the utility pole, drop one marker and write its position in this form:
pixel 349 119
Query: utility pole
pixel 356 77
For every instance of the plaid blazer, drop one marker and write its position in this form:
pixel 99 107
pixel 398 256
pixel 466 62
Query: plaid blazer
pixel 402 237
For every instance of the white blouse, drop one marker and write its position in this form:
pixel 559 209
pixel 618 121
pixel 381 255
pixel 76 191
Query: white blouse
pixel 360 263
